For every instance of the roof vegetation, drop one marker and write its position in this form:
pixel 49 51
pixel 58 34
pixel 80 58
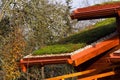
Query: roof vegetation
pixel 81 39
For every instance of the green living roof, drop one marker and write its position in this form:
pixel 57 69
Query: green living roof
pixel 81 39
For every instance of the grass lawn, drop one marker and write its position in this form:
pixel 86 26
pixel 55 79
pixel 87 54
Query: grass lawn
pixel 81 39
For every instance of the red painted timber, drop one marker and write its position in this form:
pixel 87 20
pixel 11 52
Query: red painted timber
pixel 94 51
pixel 95 12
pixel 115 56
pixel 33 60
pixel 114 59
pixel 45 60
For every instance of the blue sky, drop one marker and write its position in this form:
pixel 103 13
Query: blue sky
pixel 82 3
pixel 76 3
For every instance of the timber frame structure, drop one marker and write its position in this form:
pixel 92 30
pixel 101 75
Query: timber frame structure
pixel 81 56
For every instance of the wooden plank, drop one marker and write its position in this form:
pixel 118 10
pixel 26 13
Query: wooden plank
pixel 94 77
pixel 95 12
pixel 94 51
pixel 71 75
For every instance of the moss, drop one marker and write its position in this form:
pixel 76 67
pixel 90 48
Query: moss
pixel 80 39
pixel 88 36
pixel 53 49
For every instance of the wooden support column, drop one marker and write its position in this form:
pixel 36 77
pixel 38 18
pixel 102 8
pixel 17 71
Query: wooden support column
pixel 42 72
pixel 23 66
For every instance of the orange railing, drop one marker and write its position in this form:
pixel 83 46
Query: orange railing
pixel 93 77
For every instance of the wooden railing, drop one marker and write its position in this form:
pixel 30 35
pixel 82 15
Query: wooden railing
pixel 97 76
pixel 92 74
pixel 72 75
pixel 93 77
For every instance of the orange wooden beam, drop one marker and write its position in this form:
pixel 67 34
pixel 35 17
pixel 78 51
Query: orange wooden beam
pixel 97 76
pixel 45 60
pixel 94 51
pixel 95 12
pixel 30 61
pixel 72 75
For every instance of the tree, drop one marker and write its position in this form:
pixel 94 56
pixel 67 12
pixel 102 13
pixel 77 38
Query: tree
pixel 32 24
pixel 48 21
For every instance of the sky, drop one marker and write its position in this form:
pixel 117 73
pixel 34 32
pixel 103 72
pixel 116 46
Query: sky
pixel 82 3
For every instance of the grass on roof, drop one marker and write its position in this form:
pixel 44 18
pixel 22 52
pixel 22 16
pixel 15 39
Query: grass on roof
pixel 80 39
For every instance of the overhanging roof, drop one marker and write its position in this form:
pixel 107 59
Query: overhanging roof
pixel 97 11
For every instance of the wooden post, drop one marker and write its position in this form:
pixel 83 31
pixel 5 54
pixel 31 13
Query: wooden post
pixel 24 69
pixel 42 72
